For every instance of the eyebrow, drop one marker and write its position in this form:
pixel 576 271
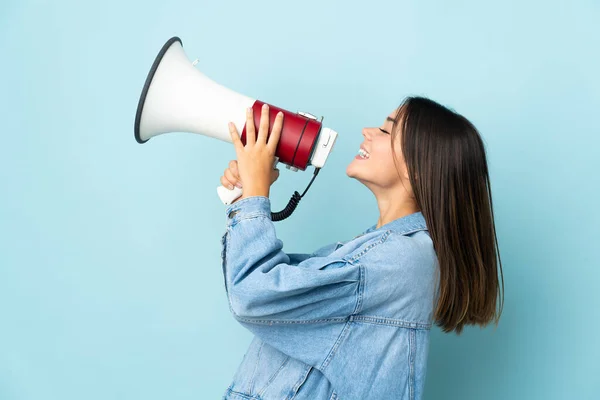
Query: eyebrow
pixel 388 119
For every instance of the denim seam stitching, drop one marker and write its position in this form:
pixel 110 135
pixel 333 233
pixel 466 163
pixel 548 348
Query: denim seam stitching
pixel 361 289
pixel 244 395
pixel 299 383
pixel 382 239
pixel 272 377
pixel 336 345
pixel 411 377
pixel 250 215
pixel 307 321
pixel 391 321
pixel 251 383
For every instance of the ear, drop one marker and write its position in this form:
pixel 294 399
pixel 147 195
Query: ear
pixel 406 176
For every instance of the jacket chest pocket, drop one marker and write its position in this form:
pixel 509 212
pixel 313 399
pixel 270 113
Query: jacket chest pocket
pixel 267 373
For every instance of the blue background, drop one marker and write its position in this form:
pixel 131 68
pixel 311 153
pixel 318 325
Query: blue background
pixel 110 278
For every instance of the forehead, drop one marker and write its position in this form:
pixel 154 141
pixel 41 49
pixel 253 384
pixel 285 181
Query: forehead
pixel 393 115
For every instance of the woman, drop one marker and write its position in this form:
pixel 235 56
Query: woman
pixel 352 319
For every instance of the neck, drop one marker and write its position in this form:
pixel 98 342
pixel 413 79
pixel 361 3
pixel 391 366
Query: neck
pixel 392 208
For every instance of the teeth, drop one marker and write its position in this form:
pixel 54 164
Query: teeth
pixel 363 153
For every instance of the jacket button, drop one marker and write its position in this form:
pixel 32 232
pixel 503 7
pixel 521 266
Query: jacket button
pixel 233 213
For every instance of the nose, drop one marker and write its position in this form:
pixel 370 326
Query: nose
pixel 366 132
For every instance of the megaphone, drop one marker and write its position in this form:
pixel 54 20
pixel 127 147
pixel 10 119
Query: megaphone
pixel 177 97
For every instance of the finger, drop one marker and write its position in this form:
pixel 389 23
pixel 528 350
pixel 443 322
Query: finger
pixel 276 132
pixel 226 183
pixel 231 178
pixel 233 166
pixel 263 130
pixel 235 137
pixel 250 129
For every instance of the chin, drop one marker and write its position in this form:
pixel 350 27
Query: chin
pixel 350 171
pixel 353 173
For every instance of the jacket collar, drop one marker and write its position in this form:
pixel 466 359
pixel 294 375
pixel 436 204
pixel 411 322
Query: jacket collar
pixel 405 225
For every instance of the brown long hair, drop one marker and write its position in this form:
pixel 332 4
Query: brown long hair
pixel 448 172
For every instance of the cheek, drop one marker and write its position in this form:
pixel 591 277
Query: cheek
pixel 386 167
pixel 382 163
pixel 396 155
pixel 384 155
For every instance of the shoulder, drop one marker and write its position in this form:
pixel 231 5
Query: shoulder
pixel 400 275
pixel 390 245
pixel 417 245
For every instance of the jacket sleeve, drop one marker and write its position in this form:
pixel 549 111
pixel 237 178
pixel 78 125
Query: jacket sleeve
pixel 299 309
pixel 296 258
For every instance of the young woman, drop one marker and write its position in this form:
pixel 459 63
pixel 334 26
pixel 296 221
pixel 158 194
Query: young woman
pixel 352 320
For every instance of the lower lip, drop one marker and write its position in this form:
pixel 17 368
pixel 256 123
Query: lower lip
pixel 360 158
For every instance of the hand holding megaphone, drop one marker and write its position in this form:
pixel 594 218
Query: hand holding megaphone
pixel 257 154
pixel 231 182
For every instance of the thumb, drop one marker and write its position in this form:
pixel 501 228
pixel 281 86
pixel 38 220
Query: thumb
pixel 274 175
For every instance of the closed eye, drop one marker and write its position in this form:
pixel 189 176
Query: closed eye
pixel 384 131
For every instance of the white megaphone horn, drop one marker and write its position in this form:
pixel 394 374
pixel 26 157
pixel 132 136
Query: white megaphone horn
pixel 177 97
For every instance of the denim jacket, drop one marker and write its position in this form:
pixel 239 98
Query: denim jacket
pixel 350 321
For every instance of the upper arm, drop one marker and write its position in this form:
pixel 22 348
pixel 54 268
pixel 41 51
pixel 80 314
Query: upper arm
pixel 296 258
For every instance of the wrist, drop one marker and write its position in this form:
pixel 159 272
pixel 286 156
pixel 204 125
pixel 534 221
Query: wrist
pixel 249 192
pixel 246 195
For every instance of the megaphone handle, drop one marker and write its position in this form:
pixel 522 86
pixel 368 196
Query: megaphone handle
pixel 228 196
